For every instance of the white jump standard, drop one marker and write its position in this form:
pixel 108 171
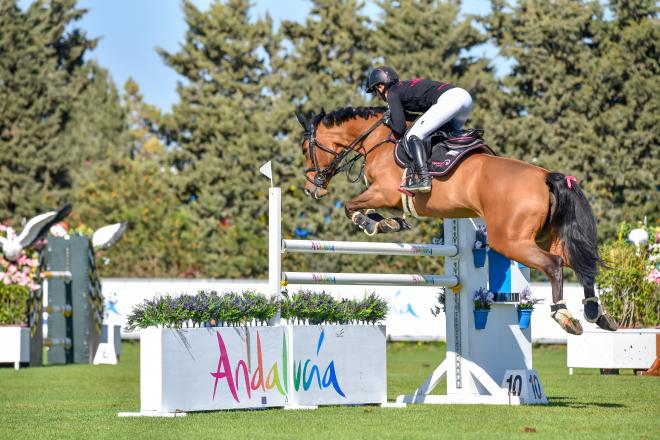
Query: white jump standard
pixel 490 366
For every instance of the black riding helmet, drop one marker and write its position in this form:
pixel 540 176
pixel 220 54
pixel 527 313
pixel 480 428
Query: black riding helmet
pixel 381 75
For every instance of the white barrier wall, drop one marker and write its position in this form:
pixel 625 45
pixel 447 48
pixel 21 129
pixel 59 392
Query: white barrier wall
pixel 410 307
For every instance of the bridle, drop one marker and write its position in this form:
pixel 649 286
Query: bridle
pixel 322 176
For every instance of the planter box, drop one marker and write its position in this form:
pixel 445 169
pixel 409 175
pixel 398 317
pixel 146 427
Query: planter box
pixel 215 368
pixel 14 345
pixel 634 349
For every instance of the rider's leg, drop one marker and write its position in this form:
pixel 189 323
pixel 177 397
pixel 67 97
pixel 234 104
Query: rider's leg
pixel 452 107
pixel 420 180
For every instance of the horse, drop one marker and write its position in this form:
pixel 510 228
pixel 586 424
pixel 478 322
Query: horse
pixel 539 218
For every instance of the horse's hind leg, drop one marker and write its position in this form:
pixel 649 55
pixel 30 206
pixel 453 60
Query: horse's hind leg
pixel 528 253
pixel 593 311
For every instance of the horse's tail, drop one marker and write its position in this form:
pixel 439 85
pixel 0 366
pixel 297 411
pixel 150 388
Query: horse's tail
pixel 576 225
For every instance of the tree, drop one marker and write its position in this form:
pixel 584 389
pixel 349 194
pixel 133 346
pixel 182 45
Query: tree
pixel 427 38
pixel 319 64
pixel 41 56
pixel 220 134
pixel 96 126
pixel 134 183
pixel 582 97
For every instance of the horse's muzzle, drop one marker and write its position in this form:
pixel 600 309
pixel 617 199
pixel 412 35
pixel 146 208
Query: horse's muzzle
pixel 316 193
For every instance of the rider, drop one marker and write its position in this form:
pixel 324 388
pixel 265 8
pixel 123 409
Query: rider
pixel 441 103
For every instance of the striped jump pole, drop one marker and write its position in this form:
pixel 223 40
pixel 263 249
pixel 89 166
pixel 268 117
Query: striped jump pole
pixel 370 279
pixel 369 248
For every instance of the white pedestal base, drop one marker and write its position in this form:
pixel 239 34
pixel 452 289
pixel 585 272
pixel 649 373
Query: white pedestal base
pixel 518 387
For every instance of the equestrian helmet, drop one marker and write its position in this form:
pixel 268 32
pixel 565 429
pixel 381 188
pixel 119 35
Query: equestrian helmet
pixel 381 75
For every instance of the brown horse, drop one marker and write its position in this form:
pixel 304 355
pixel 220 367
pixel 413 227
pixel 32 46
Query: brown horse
pixel 533 216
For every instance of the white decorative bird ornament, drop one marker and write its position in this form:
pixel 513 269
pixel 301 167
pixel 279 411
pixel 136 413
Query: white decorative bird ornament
pixel 34 230
pixel 106 236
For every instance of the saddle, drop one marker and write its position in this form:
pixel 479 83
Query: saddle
pixel 445 151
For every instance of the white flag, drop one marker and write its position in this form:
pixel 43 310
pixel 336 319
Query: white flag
pixel 267 170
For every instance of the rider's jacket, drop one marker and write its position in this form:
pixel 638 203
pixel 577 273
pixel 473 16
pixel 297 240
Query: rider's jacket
pixel 415 95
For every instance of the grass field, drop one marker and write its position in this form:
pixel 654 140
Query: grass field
pixel 82 401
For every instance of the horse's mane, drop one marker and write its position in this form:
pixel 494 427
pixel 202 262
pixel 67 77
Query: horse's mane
pixel 341 115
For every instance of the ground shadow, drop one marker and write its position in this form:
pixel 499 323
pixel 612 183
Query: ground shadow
pixel 568 402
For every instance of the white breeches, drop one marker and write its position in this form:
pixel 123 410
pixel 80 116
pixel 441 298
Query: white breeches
pixel 452 107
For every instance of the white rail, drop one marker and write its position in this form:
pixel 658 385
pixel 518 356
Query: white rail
pixel 369 279
pixel 372 248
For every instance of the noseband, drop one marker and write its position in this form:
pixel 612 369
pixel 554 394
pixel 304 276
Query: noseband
pixel 322 176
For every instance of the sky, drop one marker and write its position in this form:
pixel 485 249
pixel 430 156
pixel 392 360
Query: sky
pixel 131 30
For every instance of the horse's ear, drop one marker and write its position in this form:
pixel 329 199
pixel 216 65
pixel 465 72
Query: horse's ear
pixel 322 112
pixel 302 120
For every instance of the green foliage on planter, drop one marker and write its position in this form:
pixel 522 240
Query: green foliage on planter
pixel 208 308
pixel 624 288
pixel 13 304
pixel 307 307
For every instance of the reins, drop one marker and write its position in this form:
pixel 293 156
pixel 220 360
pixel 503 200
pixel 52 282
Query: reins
pixel 321 176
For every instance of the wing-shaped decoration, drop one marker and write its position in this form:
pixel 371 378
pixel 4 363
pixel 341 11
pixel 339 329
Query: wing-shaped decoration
pixel 38 226
pixel 106 236
pixel 34 230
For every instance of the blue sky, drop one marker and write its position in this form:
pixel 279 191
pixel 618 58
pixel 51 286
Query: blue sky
pixel 130 30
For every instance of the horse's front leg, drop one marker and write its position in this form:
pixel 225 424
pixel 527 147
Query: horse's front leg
pixel 360 210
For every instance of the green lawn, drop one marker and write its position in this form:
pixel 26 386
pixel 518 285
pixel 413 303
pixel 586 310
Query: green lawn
pixel 82 401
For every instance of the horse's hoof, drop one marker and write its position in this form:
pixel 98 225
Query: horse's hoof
pixel 606 322
pixel 403 224
pixel 573 327
pixel 373 215
pixel 371 229
pixel 566 321
pixel 592 310
pixel 363 222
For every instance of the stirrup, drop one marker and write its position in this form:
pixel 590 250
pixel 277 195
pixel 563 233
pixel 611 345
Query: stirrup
pixel 418 184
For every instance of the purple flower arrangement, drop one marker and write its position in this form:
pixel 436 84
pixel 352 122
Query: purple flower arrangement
pixel 210 309
pixel 527 300
pixel 482 299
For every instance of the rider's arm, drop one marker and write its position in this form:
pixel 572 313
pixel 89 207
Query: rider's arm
pixel 398 115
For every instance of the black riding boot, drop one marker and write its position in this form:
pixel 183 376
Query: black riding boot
pixel 420 181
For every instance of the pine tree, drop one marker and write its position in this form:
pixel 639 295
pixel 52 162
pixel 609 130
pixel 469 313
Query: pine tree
pixel 319 64
pixel 96 126
pixel 220 134
pixel 582 97
pixel 134 183
pixel 629 114
pixel 38 82
pixel 427 38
